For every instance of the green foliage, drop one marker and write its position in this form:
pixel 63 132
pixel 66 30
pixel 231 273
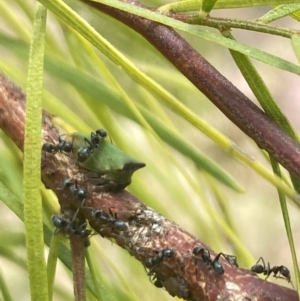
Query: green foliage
pixel 100 74
pixel 32 158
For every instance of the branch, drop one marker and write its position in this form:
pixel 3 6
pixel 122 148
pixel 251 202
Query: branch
pixel 78 267
pixel 252 25
pixel 183 274
pixel 231 101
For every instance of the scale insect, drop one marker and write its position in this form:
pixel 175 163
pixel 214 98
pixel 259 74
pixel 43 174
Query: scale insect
pixel 104 165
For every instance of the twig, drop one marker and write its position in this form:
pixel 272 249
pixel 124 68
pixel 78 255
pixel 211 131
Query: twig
pixel 148 232
pixel 251 25
pixel 78 267
pixel 231 101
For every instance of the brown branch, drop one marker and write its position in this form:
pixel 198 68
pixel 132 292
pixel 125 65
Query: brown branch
pixel 78 267
pixel 252 25
pixel 231 101
pixel 183 274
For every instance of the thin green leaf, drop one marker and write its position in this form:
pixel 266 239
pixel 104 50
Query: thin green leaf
pixel 279 12
pixel 11 18
pixel 263 96
pixel 52 261
pixel 94 279
pixel 207 5
pixel 32 159
pixel 296 15
pixel 94 276
pixel 11 175
pixel 4 289
pixel 11 201
pixel 296 46
pixel 194 5
pixel 287 225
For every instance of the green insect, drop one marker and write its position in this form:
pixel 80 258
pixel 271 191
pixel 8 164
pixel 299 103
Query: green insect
pixel 104 164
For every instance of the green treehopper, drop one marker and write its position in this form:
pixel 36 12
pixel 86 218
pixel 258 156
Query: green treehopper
pixel 103 163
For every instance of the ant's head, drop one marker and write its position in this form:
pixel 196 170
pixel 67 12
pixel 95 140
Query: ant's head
pixel 149 263
pixel 83 153
pixel 102 133
pixel 49 147
pixel 81 193
pixel 67 183
pixel 58 221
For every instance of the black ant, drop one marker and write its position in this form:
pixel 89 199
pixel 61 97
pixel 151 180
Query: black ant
pixel 267 270
pixel 70 227
pixel 205 256
pixel 157 283
pixel 85 151
pixel 96 137
pixel 215 264
pixel 61 146
pixel 80 193
pixel 156 280
pixel 152 262
pixel 110 219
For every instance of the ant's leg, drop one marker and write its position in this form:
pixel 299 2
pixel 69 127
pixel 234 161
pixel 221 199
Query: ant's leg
pixel 262 260
pixel 268 270
pixel 229 258
pixel 87 142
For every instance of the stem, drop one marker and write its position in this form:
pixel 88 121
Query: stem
pixel 235 23
pixel 78 259
pixel 148 232
pixel 231 101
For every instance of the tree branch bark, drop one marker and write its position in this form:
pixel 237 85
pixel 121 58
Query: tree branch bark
pixel 183 275
pixel 231 101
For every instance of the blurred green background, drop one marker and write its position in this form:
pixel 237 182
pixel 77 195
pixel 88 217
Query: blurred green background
pixel 87 91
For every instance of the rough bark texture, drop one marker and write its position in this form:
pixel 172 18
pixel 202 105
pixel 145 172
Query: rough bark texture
pixel 182 275
pixel 231 101
pixel 78 262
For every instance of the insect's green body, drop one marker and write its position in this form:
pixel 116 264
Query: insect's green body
pixel 107 167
